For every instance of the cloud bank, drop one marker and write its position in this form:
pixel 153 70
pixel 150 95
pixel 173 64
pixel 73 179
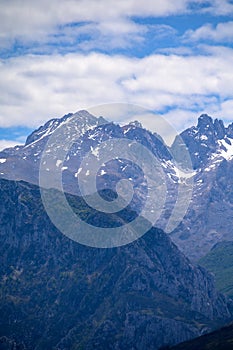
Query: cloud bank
pixel 61 56
pixel 35 88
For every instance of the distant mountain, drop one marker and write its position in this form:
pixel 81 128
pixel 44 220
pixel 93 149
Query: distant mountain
pixel 58 294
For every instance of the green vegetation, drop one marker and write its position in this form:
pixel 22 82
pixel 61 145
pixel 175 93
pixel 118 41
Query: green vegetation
pixel 219 261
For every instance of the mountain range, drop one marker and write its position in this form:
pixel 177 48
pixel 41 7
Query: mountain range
pixel 209 217
pixel 59 294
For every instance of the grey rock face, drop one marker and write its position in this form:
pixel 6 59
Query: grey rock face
pixel 209 219
pixel 58 294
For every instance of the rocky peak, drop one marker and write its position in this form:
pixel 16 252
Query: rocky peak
pixel 204 122
pixel 136 123
pixel 220 130
pixel 230 130
pixel 49 127
pixel 205 139
pixel 212 129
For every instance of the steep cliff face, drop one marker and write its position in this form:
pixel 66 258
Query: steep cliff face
pixel 209 218
pixel 58 294
pixel 206 141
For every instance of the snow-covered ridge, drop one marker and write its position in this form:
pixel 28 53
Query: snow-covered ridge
pixel 224 151
pixel 226 148
pixel 82 117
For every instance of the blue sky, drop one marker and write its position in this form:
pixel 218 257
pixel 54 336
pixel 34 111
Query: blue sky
pixel 173 57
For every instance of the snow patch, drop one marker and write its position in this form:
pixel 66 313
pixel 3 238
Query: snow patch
pixel 213 165
pixel 58 162
pixel 183 175
pixel 225 151
pixel 203 137
pixel 228 153
pixel 78 172
pixel 95 151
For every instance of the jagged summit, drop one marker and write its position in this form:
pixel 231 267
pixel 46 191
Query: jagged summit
pixel 52 124
pixel 207 125
pixel 204 120
pixel 85 130
pixel 136 123
pixel 211 128
pixel 207 138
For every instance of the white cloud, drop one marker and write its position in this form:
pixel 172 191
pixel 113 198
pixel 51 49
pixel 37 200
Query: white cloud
pixel 218 7
pixel 179 50
pixel 121 33
pixel 227 110
pixel 86 25
pixel 35 21
pixel 161 31
pixel 181 119
pixel 213 7
pixel 32 22
pixel 36 88
pixel 7 144
pixel 222 32
pixel 223 110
